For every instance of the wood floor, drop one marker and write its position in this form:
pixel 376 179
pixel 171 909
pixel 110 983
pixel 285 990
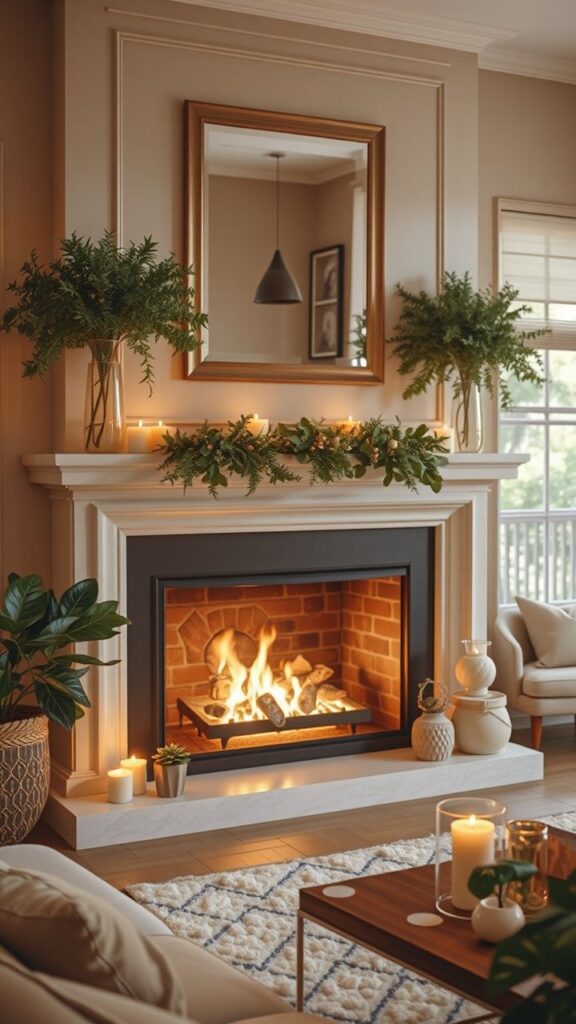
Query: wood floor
pixel 161 859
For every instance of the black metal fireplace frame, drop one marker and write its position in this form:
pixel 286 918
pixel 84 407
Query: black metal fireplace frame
pixel 196 560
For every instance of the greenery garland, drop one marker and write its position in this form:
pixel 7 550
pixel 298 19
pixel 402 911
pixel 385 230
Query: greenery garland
pixel 210 454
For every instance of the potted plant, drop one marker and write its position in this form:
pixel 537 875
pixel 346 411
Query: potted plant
pixel 36 662
pixel 170 764
pixel 545 948
pixel 103 297
pixel 432 735
pixel 469 337
pixel 496 917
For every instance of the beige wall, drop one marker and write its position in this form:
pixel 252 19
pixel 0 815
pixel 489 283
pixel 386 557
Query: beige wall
pixel 136 172
pixel 25 406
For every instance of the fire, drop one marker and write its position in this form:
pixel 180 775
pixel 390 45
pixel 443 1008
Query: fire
pixel 257 692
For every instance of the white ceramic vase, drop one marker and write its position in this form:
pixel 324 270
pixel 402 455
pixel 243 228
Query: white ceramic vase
pixel 475 670
pixel 493 923
pixel 432 736
pixel 482 724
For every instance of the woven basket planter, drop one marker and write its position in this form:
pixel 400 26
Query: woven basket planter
pixel 24 774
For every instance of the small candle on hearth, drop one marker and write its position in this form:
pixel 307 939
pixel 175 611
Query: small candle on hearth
pixel 257 426
pixel 120 786
pixel 138 766
pixel 446 435
pixel 138 438
pixel 472 845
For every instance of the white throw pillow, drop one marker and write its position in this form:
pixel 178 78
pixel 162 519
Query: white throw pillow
pixel 552 632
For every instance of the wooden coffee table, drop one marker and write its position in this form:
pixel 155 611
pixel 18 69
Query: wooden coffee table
pixel 375 917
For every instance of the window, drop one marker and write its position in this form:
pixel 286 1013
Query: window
pixel 538 510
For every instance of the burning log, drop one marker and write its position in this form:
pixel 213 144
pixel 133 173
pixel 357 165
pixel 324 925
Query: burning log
pixel 215 710
pixel 318 675
pixel 220 687
pixel 284 684
pixel 307 699
pixel 300 666
pixel 271 708
pixel 330 694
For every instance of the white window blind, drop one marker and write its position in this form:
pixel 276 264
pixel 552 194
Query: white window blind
pixel 538 258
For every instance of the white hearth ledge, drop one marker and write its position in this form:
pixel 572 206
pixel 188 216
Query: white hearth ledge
pixel 99 501
pixel 254 795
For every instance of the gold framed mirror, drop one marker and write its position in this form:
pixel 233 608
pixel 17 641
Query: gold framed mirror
pixel 285 232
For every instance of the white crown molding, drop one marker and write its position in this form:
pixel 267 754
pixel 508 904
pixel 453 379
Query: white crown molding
pixel 533 65
pixel 372 18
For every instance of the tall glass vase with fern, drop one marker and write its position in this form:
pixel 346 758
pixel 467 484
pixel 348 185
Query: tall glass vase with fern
pixel 469 338
pixel 104 297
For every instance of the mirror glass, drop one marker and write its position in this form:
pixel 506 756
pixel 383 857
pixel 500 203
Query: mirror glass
pixel 285 231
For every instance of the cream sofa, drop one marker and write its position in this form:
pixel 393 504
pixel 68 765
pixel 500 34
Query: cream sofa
pixel 530 688
pixel 216 993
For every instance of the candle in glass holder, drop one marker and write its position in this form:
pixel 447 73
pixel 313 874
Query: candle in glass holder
pixel 472 845
pixel 256 426
pixel 138 766
pixel 120 786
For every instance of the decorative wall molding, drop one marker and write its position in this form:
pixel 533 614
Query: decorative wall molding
pixel 316 43
pixel 371 17
pixel 532 65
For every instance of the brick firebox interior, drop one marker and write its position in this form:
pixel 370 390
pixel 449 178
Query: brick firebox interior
pixel 353 627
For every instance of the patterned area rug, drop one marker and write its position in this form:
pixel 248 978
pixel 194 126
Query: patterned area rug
pixel 248 918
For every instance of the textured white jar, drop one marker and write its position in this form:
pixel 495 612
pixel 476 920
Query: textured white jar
pixel 432 736
pixel 482 724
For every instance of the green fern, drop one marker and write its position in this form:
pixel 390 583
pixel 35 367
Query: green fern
pixel 97 294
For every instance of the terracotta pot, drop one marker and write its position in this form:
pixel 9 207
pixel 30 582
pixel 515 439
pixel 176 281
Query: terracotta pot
pixel 170 779
pixel 24 774
pixel 493 923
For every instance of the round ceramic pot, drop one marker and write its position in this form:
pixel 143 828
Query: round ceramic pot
pixel 170 779
pixel 475 672
pixel 432 736
pixel 24 774
pixel 482 724
pixel 493 923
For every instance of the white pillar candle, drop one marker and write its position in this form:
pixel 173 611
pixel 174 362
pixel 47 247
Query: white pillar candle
pixel 156 435
pixel 446 435
pixel 472 845
pixel 138 438
pixel 256 426
pixel 138 767
pixel 120 785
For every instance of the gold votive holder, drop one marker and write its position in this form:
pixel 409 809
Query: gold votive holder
pixel 528 840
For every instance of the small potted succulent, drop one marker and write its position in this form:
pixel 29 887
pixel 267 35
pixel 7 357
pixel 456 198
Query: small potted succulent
pixel 170 764
pixel 496 917
pixel 432 733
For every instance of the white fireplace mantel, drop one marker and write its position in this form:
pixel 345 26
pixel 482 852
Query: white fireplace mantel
pixel 101 500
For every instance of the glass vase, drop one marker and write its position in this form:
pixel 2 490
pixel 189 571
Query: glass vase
pixel 528 840
pixel 468 423
pixel 104 421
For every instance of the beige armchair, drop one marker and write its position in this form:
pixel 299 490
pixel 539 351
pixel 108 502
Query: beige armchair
pixel 534 690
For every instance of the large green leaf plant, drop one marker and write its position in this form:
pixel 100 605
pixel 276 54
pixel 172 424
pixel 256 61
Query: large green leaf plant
pixel 36 634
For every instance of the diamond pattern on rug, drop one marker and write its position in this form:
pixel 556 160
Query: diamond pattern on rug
pixel 248 917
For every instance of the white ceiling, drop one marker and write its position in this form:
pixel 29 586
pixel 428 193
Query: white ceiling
pixel 532 37
pixel 245 152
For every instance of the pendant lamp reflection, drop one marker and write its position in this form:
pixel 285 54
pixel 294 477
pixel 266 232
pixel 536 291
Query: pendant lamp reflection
pixel 278 287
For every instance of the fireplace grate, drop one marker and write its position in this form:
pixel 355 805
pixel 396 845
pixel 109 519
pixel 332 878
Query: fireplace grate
pixel 353 716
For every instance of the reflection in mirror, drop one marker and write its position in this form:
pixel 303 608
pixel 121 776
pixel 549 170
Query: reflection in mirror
pixel 287 230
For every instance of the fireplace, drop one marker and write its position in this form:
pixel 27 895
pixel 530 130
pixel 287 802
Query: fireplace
pixel 252 648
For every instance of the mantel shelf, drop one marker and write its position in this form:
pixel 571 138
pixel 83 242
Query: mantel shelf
pixel 108 472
